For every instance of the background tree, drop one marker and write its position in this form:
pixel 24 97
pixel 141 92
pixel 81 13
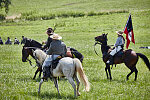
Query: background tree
pixel 5 4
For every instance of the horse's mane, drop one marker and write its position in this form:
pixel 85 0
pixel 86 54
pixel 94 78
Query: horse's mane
pixel 32 43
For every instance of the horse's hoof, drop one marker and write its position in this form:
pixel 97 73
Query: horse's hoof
pixel 110 79
pixel 78 94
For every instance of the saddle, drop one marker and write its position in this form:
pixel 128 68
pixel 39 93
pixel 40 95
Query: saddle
pixel 120 53
pixel 49 69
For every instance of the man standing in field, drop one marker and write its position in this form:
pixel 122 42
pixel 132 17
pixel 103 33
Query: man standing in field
pixel 1 42
pixel 23 40
pixel 16 41
pixel 8 41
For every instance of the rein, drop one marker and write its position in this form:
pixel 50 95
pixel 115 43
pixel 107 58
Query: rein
pixel 95 45
pixel 31 48
pixel 30 62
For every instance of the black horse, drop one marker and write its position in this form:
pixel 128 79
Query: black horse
pixel 128 57
pixel 30 45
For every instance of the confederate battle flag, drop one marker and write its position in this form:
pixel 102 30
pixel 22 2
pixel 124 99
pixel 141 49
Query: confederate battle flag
pixel 128 30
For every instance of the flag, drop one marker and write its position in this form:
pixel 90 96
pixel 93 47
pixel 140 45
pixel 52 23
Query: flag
pixel 128 30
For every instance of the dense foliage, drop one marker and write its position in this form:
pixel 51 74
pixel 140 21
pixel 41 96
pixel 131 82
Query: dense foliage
pixel 5 4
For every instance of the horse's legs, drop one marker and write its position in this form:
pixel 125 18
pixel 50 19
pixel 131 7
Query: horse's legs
pixel 56 84
pixel 109 71
pixel 36 73
pixel 40 74
pixel 40 85
pixel 78 84
pixel 136 72
pixel 129 74
pixel 133 69
pixel 106 72
pixel 71 81
pixel 40 69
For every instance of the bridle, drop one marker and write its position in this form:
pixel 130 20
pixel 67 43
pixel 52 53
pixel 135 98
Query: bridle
pixel 30 62
pixel 97 42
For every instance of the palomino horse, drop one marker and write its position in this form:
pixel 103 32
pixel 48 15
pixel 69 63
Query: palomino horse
pixel 27 50
pixel 129 57
pixel 67 67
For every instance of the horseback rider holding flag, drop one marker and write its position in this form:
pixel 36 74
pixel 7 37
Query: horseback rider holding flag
pixel 118 46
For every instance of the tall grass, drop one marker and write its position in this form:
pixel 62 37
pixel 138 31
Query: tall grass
pixel 32 16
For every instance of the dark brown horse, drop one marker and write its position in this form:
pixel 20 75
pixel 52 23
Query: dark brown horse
pixel 128 57
pixel 27 50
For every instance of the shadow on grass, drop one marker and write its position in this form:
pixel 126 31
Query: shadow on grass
pixel 130 81
pixel 47 95
pixel 27 79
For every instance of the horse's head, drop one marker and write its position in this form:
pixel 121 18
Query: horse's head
pixel 29 45
pixel 25 53
pixel 25 50
pixel 102 38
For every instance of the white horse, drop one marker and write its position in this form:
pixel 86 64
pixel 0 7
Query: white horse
pixel 67 67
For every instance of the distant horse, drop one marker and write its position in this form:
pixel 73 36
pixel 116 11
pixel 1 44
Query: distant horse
pixel 27 50
pixel 67 67
pixel 128 57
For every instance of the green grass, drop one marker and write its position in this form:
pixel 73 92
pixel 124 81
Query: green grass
pixel 16 77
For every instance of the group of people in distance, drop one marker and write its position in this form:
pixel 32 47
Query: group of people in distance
pixel 9 42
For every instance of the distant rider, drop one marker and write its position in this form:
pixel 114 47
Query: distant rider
pixel 118 46
pixel 49 32
pixel 73 53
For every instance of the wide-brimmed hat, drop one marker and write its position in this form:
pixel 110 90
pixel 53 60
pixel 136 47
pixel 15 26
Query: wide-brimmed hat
pixel 119 32
pixel 56 37
pixel 50 30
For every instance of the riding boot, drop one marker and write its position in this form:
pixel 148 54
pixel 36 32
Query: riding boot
pixel 111 60
pixel 46 72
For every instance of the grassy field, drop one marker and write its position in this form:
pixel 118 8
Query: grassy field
pixel 16 77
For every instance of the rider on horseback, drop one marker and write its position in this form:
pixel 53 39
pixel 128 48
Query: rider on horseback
pixel 49 32
pixel 73 53
pixel 57 48
pixel 118 46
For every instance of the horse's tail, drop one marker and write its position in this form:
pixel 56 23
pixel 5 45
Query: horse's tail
pixel 82 75
pixel 145 59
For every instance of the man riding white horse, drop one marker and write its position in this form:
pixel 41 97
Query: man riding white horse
pixel 57 48
pixel 118 46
